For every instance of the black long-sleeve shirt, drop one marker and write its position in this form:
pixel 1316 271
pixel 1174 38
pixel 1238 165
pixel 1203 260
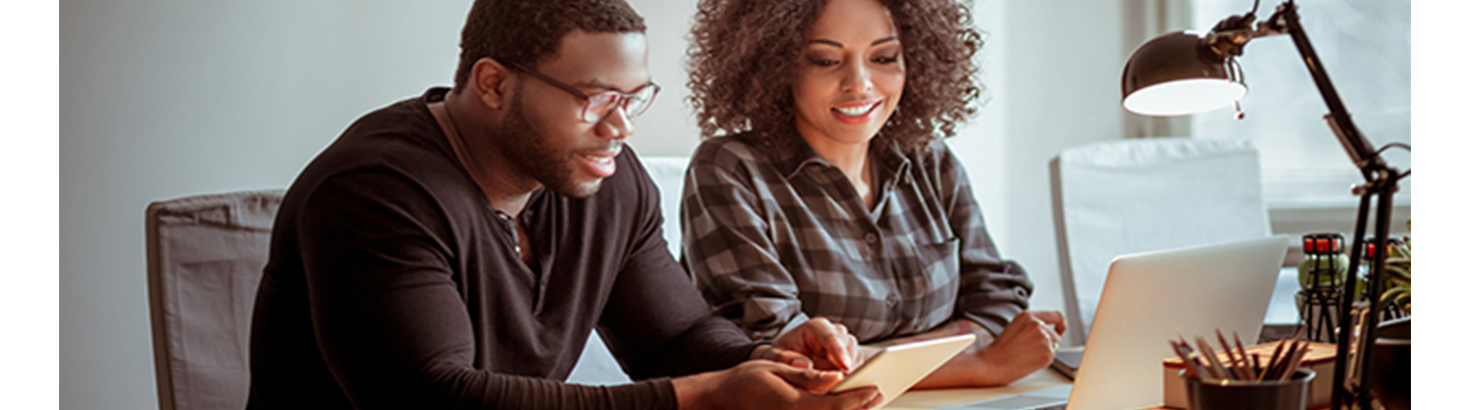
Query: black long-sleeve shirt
pixel 392 283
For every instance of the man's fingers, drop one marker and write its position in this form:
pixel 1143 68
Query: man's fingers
pixel 785 356
pixel 876 399
pixel 859 398
pixel 794 359
pixel 808 379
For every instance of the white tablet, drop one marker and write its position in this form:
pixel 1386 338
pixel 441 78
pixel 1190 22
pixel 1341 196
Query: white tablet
pixel 897 368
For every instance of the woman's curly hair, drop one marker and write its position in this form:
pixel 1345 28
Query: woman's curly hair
pixel 745 53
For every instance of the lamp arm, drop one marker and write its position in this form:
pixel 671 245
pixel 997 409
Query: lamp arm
pixel 1359 149
pixel 1382 181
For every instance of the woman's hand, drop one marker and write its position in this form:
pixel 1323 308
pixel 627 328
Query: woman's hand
pixel 825 345
pixel 1027 344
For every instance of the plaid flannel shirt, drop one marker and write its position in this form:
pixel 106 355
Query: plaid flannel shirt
pixel 774 237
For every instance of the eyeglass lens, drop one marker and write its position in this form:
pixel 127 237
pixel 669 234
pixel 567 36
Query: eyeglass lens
pixel 633 105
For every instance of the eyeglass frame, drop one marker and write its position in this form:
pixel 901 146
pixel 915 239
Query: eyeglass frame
pixel 620 101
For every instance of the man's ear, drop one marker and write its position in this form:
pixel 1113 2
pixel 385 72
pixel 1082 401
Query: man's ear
pixel 492 82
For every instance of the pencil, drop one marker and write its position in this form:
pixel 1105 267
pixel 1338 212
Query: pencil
pixel 1296 361
pixel 1240 346
pixel 1256 367
pixel 1237 369
pixel 1272 363
pixel 1229 360
pixel 1215 367
pixel 1282 367
pixel 1193 358
pixel 1245 361
pixel 1189 364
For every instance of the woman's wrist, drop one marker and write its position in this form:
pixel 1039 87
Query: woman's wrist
pixel 992 369
pixel 964 370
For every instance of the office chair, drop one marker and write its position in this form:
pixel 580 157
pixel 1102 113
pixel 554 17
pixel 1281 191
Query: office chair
pixel 667 173
pixel 205 255
pixel 1138 195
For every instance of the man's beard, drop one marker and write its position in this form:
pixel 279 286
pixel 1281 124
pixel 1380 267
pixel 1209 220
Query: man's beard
pixel 532 153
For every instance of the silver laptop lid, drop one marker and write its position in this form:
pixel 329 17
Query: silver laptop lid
pixel 1153 297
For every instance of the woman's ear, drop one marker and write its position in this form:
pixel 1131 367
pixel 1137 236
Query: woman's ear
pixel 491 81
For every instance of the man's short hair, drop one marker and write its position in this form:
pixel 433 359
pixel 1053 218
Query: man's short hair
pixel 523 31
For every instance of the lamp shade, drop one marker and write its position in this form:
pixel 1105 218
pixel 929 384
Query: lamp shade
pixel 1178 73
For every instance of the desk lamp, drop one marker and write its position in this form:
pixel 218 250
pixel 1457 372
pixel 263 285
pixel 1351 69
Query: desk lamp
pixel 1184 73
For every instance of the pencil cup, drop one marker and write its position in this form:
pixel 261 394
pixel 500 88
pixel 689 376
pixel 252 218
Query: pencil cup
pixel 1289 394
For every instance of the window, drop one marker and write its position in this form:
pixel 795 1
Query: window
pixel 1364 47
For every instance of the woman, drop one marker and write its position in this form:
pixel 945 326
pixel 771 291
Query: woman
pixel 823 188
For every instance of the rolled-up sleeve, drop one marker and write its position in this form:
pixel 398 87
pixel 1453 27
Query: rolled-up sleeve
pixel 992 290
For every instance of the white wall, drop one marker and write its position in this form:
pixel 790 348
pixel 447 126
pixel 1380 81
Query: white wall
pixel 668 126
pixel 1063 67
pixel 168 98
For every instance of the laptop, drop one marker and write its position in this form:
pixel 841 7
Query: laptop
pixel 1149 299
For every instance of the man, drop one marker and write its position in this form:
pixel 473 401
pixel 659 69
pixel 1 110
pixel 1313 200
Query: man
pixel 455 250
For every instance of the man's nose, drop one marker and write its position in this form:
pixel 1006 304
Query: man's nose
pixel 615 124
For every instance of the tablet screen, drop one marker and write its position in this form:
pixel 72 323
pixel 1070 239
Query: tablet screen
pixel 897 368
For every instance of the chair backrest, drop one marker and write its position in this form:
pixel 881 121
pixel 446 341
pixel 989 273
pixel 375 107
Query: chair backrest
pixel 1137 195
pixel 667 173
pixel 205 255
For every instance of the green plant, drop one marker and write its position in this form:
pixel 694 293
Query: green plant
pixel 1397 273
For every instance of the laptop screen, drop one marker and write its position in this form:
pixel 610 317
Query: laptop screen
pixel 1153 297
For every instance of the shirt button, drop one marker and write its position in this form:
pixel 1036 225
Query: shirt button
pixel 1021 292
pixel 871 237
pixel 891 300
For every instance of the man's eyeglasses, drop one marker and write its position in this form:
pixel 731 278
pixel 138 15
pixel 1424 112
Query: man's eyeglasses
pixel 597 106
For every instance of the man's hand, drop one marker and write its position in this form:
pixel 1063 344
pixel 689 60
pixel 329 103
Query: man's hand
pixel 761 384
pixel 826 344
pixel 1027 344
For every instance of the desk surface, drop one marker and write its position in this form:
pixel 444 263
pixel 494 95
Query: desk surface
pixel 935 398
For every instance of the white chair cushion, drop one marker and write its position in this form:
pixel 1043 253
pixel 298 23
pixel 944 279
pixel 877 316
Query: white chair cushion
pixel 668 173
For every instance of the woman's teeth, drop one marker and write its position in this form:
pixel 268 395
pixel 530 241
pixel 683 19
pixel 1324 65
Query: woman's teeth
pixel 856 111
